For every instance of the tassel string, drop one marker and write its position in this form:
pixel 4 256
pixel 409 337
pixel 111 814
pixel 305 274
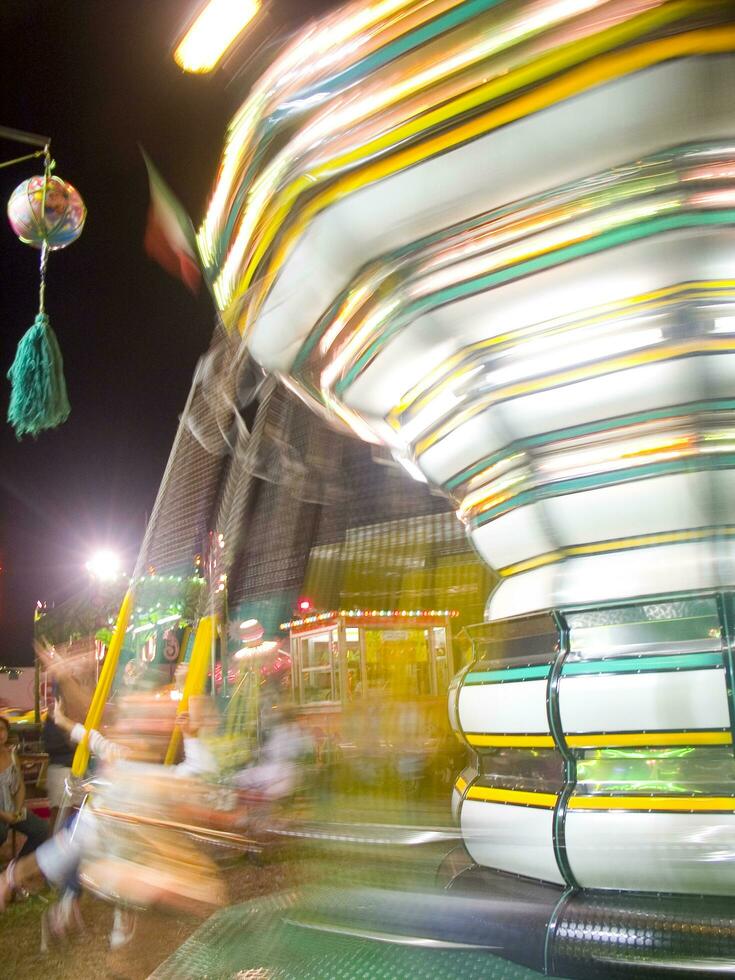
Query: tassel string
pixel 42 285
pixel 48 166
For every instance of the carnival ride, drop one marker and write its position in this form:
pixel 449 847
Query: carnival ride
pixel 497 238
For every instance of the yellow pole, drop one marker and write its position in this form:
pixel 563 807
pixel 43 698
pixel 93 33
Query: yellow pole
pixel 196 677
pixel 184 644
pixel 102 690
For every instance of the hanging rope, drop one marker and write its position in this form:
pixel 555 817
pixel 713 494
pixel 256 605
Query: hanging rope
pixel 42 285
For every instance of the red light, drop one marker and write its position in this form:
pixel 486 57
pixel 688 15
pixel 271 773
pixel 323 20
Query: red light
pixel 304 605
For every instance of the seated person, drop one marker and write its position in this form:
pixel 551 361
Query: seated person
pixel 13 812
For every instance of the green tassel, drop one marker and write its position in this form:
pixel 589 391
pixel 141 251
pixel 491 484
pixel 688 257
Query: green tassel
pixel 38 398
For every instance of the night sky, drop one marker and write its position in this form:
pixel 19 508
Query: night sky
pixel 98 77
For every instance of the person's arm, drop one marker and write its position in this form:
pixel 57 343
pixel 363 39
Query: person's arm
pixel 100 746
pixel 20 798
pixel 5 815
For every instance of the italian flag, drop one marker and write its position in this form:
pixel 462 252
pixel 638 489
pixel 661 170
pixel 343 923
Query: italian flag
pixel 169 234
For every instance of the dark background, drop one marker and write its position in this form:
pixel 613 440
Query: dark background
pixel 98 77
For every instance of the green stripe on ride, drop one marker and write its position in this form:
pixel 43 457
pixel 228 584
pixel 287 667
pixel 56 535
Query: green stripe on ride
pixel 509 674
pixel 617 665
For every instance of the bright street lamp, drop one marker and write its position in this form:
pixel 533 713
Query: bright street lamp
pixel 104 565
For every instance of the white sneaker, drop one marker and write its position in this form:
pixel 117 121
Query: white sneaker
pixel 123 928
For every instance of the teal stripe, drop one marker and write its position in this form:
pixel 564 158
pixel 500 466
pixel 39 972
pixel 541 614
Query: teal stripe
pixel 564 487
pixel 682 661
pixel 603 425
pixel 395 49
pixel 510 674
pixel 626 233
pixel 618 665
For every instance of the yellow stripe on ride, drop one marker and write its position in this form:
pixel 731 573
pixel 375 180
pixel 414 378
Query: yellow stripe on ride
pixel 460 785
pixel 701 804
pixel 521 797
pixel 663 352
pixel 652 739
pixel 512 741
pixel 616 544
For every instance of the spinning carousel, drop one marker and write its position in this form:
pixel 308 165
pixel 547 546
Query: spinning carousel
pixel 497 238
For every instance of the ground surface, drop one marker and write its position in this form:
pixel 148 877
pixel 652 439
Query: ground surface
pixel 281 868
pixel 157 935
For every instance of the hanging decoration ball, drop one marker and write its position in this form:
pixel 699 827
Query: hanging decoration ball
pixel 55 218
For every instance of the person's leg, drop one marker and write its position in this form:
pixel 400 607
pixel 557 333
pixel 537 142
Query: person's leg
pixel 123 927
pixel 21 875
pixel 35 830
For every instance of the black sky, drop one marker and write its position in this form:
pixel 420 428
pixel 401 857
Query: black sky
pixel 97 76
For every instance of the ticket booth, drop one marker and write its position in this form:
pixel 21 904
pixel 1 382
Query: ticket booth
pixel 345 656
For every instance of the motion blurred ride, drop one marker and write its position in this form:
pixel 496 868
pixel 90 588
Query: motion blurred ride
pixel 497 238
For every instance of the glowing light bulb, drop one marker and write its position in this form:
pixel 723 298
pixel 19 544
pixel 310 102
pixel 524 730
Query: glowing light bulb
pixel 216 28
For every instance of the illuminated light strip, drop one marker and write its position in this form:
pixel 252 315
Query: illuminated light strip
pixel 511 741
pixel 603 69
pixel 373 614
pixel 594 740
pixel 597 427
pixel 436 26
pixel 639 306
pixel 307 58
pixel 547 801
pixel 617 544
pixel 591 463
pixel 704 464
pixel 460 785
pixel 588 470
pixel 666 352
pixel 572 238
pixel 706 804
pixel 503 263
